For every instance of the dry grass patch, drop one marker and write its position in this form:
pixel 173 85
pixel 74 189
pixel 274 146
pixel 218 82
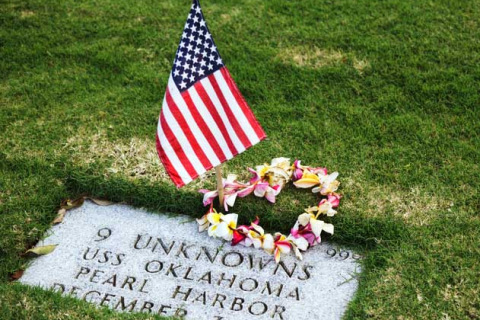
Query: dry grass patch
pixel 318 58
pixel 135 158
pixel 361 65
pixel 311 57
pixel 227 17
pixel 415 206
pixel 26 14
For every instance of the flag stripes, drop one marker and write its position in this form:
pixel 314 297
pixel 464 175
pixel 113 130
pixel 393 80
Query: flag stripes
pixel 203 126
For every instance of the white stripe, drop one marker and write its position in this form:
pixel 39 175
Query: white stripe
pixel 192 124
pixel 172 156
pixel 212 125
pixel 219 107
pixel 237 111
pixel 182 139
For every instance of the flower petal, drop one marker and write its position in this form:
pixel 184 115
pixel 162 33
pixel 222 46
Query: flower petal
pixel 212 230
pixel 237 237
pixel 268 243
pixel 261 188
pixel 334 199
pixel 301 243
pixel 229 200
pixel 223 231
pixel 317 226
pixel 228 218
pixel 208 196
pixel 316 189
pixel 327 227
pixel 284 246
pixel 277 255
pixel 308 180
pixel 270 194
pixel 246 191
pixel 281 162
pixel 304 219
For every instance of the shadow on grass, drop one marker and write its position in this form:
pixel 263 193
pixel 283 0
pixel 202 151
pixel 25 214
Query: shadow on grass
pixel 377 238
pixel 352 229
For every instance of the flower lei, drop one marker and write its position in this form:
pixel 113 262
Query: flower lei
pixel 267 181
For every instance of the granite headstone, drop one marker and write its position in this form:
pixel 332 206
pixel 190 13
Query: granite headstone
pixel 134 261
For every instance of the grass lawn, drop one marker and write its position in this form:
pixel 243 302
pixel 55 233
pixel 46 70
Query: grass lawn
pixel 385 92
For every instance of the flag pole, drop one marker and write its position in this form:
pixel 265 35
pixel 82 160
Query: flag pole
pixel 218 174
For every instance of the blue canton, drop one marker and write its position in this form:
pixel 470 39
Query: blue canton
pixel 197 55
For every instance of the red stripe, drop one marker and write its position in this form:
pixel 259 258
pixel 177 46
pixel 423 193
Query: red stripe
pixel 243 104
pixel 233 120
pixel 176 146
pixel 168 165
pixel 216 117
pixel 177 114
pixel 203 127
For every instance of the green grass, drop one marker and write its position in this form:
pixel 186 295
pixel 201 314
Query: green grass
pixel 385 92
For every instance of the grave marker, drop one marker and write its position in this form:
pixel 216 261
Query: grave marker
pixel 135 261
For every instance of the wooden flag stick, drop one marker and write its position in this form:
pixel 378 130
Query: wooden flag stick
pixel 218 173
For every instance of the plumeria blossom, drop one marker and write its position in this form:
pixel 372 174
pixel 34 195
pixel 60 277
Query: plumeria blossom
pixel 323 182
pixel 210 221
pixel 319 171
pixel 204 222
pixel 326 206
pixel 208 196
pixel 230 189
pixel 278 245
pixel 260 188
pixel 298 244
pixel 308 227
pixel 297 170
pixel 225 228
pixel 251 235
pixel 328 184
pixel 307 180
pixel 241 233
pixel 279 173
pixel 257 237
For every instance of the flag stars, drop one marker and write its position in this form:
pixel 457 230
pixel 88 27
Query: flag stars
pixel 197 56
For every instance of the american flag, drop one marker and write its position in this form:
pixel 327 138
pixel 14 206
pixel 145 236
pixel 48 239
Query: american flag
pixel 204 119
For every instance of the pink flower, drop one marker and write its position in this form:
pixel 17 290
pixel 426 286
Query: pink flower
pixel 306 233
pixel 308 227
pixel 319 170
pixel 242 232
pixel 334 199
pixel 208 196
pixel 261 189
pixel 297 171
